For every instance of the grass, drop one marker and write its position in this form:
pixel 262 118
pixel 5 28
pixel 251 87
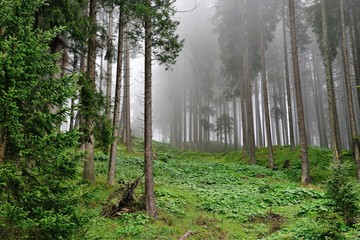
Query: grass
pixel 215 196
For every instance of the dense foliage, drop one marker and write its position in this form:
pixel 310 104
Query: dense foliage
pixel 37 198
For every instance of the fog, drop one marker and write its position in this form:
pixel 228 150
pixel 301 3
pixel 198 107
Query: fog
pixel 200 102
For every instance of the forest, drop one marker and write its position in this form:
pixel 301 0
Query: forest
pixel 187 119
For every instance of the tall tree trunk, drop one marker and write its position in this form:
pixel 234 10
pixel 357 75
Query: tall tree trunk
pixel 305 170
pixel 334 123
pixel 200 124
pixel 72 102
pixel 277 109
pixel 116 117
pixel 191 102
pixel 287 83
pixel 127 125
pixel 236 132
pixel 148 166
pixel 184 116
pixel 244 124
pixel 196 122
pixel 345 54
pixel 317 98
pixel 259 139
pixel 248 93
pixel 109 66
pixel 320 108
pixel 271 163
pixel 89 170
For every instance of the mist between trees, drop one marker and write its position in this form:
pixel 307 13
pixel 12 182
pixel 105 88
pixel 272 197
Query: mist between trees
pixel 233 86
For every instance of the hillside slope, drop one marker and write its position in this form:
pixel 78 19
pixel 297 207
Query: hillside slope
pixel 218 196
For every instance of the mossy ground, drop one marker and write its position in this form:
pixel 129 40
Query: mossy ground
pixel 213 195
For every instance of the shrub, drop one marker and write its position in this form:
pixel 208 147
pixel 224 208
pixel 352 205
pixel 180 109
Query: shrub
pixel 340 190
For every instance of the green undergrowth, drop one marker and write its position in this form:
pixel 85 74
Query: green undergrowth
pixel 219 196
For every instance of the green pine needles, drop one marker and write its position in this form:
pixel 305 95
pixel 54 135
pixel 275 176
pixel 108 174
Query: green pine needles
pixel 340 190
pixel 37 163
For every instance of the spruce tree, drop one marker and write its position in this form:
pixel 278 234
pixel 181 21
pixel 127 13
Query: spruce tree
pixel 36 197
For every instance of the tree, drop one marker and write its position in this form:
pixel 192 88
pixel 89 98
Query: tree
pixel 116 117
pixel 87 98
pixel 110 58
pixel 287 81
pixel 346 65
pixel 126 136
pixel 161 43
pixel 266 98
pixel 36 199
pixel 305 171
pixel 149 176
pixel 328 41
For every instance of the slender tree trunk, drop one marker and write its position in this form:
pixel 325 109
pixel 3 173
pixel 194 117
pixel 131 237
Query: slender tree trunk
pixel 89 170
pixel 276 113
pixel 148 166
pixel 200 124
pixel 249 104
pixel 116 118
pixel 101 78
pixel 109 66
pixel 184 117
pixel 244 123
pixel 196 123
pixel 191 102
pixel 127 125
pixel 287 83
pixel 334 123
pixel 236 132
pixel 345 54
pixel 320 108
pixel 271 163
pixel 260 142
pixel 305 170
pixel 317 98
pixel 72 103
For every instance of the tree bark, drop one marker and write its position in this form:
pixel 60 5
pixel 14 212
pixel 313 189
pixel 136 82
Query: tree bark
pixel 236 132
pixel 287 83
pixel 116 118
pixel 89 170
pixel 109 67
pixel 127 125
pixel 346 65
pixel 248 94
pixel 259 130
pixel 149 178
pixel 271 163
pixel 334 123
pixel 305 170
pixel 354 34
pixel 320 109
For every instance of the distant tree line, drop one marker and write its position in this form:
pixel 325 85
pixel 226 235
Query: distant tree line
pixel 283 72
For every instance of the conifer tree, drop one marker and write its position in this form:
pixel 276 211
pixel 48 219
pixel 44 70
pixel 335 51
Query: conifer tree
pixel 36 199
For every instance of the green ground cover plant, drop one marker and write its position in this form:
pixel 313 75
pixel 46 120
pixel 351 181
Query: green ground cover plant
pixel 219 196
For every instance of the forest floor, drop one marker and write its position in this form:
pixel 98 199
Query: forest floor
pixel 215 196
